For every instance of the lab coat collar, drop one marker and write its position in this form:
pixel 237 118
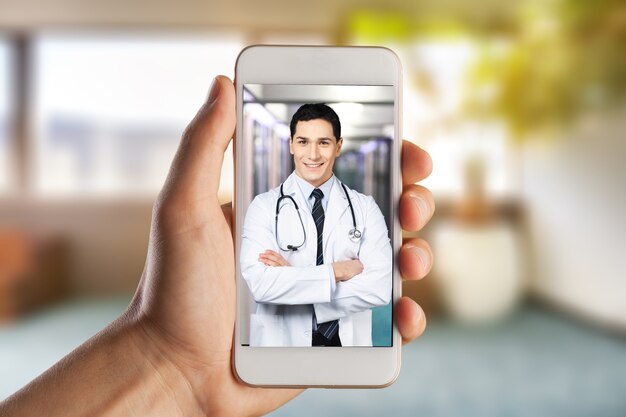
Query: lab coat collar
pixel 337 205
pixel 306 188
pixel 290 187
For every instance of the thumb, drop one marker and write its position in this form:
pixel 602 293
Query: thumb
pixel 195 172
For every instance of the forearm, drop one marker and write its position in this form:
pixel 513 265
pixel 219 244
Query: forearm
pixel 114 373
pixel 289 285
pixel 371 288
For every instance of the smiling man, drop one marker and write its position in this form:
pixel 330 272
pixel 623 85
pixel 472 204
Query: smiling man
pixel 315 254
pixel 315 142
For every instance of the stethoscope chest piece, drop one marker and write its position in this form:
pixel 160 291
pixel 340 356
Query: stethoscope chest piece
pixel 355 235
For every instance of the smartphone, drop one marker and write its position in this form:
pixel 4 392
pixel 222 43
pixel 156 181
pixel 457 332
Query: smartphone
pixel 317 183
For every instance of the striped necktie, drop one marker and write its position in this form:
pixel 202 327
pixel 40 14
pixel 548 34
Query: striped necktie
pixel 329 328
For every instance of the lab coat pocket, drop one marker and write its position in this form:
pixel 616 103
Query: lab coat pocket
pixel 266 330
pixel 344 248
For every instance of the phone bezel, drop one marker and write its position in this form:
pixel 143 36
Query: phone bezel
pixel 344 367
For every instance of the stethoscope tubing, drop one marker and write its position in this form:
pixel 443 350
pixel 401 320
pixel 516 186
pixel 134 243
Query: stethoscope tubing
pixel 355 233
pixel 289 247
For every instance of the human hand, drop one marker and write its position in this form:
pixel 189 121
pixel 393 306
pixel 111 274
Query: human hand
pixel 345 270
pixel 170 353
pixel 186 298
pixel 271 258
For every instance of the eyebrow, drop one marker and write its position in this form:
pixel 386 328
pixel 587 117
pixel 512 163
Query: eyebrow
pixel 304 137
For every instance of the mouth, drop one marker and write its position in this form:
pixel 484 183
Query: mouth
pixel 313 166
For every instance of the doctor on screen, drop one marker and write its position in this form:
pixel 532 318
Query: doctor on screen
pixel 315 254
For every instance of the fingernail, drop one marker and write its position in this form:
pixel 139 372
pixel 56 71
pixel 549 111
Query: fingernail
pixel 423 258
pixel 422 206
pixel 213 91
pixel 418 315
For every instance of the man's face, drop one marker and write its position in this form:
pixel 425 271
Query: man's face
pixel 314 149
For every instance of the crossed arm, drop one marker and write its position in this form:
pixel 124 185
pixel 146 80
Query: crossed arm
pixel 343 270
pixel 273 280
pixel 360 285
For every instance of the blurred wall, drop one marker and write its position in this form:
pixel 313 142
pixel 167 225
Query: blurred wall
pixel 107 240
pixel 575 197
pixel 279 15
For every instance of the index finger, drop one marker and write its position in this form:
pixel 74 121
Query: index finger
pixel 416 163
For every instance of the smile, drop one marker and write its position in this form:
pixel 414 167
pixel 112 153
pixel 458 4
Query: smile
pixel 313 165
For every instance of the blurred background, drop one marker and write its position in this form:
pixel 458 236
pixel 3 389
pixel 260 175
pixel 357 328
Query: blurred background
pixel 521 105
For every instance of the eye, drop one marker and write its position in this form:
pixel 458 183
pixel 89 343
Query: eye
pixel 301 141
pixel 324 143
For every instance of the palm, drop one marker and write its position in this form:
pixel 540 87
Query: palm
pixel 190 273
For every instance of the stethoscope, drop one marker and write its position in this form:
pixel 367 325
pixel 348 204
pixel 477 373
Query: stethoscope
pixel 354 233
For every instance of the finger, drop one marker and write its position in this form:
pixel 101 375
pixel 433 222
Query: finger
pixel 416 163
pixel 410 319
pixel 416 207
pixel 271 256
pixel 268 262
pixel 196 169
pixel 415 259
pixel 273 259
pixel 276 257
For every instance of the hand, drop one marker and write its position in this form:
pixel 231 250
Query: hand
pixel 344 270
pixel 271 258
pixel 170 353
pixel 186 300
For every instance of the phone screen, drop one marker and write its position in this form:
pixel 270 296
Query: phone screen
pixel 318 265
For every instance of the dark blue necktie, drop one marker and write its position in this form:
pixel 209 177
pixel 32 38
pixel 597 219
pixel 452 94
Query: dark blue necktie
pixel 329 328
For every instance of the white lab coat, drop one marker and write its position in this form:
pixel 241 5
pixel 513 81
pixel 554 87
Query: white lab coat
pixel 286 296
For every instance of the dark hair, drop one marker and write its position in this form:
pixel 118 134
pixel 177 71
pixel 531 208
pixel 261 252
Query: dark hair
pixel 314 111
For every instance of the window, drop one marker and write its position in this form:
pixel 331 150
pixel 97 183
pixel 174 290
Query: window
pixel 6 117
pixel 109 110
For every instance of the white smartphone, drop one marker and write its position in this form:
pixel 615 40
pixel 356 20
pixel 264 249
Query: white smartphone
pixel 317 183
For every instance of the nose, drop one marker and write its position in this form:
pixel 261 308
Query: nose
pixel 314 152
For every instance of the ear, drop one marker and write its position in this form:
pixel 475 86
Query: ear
pixel 339 145
pixel 291 145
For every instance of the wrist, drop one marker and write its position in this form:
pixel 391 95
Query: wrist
pixel 164 386
pixel 337 271
pixel 147 382
pixel 117 372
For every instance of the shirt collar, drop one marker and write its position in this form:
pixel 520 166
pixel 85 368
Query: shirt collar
pixel 307 188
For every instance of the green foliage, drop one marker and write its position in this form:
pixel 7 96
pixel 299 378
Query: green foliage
pixel 566 58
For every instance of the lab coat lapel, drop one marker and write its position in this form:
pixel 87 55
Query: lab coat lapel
pixel 337 205
pixel 291 188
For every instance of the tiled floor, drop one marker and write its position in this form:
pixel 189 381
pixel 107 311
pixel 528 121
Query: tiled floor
pixel 534 364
